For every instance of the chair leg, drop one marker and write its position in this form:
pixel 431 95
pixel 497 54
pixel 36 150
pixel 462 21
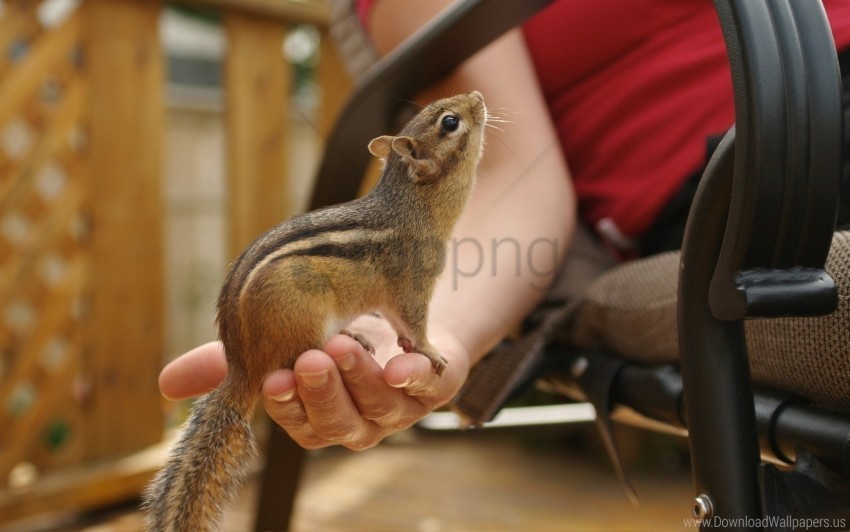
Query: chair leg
pixel 715 370
pixel 279 485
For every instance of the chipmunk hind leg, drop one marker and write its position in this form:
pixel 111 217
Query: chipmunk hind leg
pixel 278 326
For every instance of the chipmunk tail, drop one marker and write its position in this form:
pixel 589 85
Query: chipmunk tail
pixel 205 467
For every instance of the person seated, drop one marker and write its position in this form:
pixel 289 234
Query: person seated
pixel 606 111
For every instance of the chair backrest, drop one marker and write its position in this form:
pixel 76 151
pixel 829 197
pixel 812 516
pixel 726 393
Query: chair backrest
pixel 788 161
pixel 458 32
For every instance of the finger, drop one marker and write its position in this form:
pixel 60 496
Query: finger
pixel 352 359
pixel 330 413
pixel 281 401
pixel 414 374
pixel 364 379
pixel 279 386
pixel 194 373
pixel 329 408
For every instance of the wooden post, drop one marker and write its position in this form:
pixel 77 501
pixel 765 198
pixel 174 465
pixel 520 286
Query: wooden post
pixel 257 87
pixel 335 83
pixel 125 68
pixel 257 83
pixel 294 11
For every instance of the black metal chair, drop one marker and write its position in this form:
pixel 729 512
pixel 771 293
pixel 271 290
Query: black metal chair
pixel 757 242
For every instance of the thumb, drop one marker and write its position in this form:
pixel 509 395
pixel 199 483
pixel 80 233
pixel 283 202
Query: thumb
pixel 194 373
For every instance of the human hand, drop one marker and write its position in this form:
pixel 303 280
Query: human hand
pixel 340 394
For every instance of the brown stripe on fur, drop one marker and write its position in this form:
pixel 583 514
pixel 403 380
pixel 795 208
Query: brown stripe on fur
pixel 347 251
pixel 295 236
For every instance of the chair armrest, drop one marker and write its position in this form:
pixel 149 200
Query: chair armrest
pixel 788 161
pixel 423 59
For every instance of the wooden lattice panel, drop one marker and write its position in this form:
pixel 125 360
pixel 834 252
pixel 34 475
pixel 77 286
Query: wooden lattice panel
pixel 44 251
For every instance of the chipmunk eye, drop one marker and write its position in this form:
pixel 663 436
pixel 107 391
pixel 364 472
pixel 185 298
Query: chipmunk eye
pixel 449 123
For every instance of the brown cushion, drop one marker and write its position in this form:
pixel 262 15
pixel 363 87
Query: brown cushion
pixel 631 310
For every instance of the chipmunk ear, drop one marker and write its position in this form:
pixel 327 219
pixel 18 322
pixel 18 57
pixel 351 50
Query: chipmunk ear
pixel 421 166
pixel 381 146
pixel 406 147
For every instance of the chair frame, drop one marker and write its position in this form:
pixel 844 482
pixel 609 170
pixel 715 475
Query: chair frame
pixel 758 235
pixel 756 243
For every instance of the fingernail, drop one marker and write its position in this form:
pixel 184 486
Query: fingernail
pixel 316 379
pixel 404 384
pixel 285 396
pixel 347 362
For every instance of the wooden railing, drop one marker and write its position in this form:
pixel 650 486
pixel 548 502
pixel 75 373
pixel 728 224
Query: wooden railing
pixel 81 229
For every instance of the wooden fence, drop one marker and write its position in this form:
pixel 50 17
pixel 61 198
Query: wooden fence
pixel 81 229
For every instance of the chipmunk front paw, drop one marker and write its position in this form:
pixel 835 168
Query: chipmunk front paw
pixel 437 360
pixel 367 345
pixel 406 344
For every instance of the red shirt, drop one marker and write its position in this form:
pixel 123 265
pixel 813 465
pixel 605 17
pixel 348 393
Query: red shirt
pixel 634 89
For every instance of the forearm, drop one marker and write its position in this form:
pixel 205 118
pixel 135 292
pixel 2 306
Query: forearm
pixel 516 228
pixel 504 254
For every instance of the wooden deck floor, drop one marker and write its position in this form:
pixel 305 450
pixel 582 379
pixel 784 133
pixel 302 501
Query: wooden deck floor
pixel 491 482
pixel 506 480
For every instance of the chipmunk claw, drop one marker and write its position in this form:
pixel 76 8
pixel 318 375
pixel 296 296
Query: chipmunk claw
pixel 367 345
pixel 406 344
pixel 437 360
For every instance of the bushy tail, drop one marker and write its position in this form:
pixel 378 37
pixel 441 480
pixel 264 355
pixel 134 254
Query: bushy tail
pixel 205 468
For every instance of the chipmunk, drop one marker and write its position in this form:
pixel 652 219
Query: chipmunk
pixel 300 282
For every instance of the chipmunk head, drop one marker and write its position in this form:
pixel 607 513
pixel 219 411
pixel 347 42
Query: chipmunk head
pixel 445 137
